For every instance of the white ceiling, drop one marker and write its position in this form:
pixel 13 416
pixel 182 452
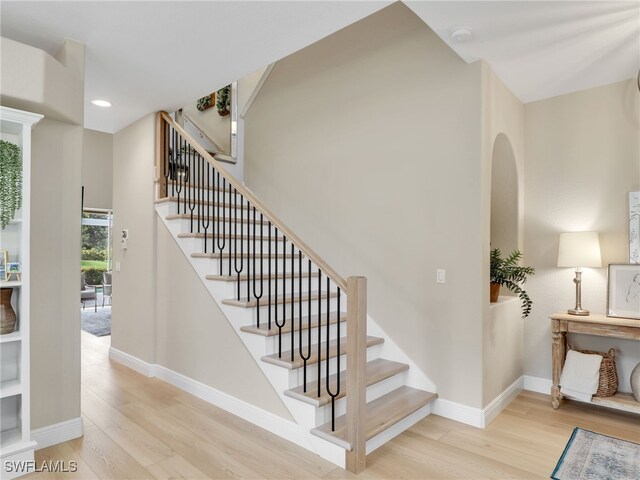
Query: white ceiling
pixel 148 56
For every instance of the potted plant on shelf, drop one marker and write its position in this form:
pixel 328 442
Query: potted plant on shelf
pixel 10 182
pixel 506 272
pixel 223 97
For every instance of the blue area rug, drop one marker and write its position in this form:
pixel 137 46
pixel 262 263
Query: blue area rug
pixel 592 456
pixel 96 323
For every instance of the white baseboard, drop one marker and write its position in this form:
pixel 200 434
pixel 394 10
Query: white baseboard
pixel 134 363
pixel 273 423
pixel 499 403
pixel 58 432
pixel 478 417
pixel 459 412
pixel 537 384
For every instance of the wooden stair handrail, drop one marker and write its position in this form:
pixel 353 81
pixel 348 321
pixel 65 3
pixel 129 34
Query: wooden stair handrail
pixel 240 188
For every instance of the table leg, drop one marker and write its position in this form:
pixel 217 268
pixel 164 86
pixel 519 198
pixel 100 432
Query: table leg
pixel 558 353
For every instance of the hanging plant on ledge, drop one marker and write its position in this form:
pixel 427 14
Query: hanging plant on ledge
pixel 10 181
pixel 506 272
pixel 223 97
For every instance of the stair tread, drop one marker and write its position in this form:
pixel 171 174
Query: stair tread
pixel 381 413
pixel 187 216
pixel 265 277
pixel 273 331
pixel 232 236
pixel 174 199
pixel 197 185
pixel 285 360
pixel 246 303
pixel 377 370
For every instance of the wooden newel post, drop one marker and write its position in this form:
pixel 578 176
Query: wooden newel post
pixel 356 459
pixel 160 155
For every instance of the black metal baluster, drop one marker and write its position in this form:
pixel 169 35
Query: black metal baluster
pixel 293 305
pixel 205 209
pixel 269 276
pixel 177 172
pixel 167 156
pixel 200 182
pixel 172 166
pixel 278 324
pixel 333 395
pixel 192 192
pixel 222 239
pixel 253 273
pixel 284 283
pixel 320 331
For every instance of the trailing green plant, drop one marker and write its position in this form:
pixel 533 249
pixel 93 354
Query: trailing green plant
pixel 508 273
pixel 203 103
pixel 223 97
pixel 10 181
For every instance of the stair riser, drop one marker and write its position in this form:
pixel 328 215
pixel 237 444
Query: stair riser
pixel 271 343
pixel 211 266
pixel 377 390
pixel 218 226
pixel 172 209
pixel 201 194
pixel 283 284
pixel 314 305
pixel 296 375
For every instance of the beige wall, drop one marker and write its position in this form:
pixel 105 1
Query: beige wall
pixel 162 313
pixel 582 157
pixel 217 128
pixel 97 169
pixel 367 144
pixel 134 286
pixel 36 81
pixel 502 142
pixel 55 267
pixel 195 338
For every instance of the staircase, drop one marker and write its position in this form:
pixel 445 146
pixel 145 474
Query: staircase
pixel 303 323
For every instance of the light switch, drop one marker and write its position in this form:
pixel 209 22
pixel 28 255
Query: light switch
pixel 117 266
pixel 440 276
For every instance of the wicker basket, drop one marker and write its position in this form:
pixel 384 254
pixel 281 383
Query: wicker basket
pixel 608 382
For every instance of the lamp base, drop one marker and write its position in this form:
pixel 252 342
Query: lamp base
pixel 578 311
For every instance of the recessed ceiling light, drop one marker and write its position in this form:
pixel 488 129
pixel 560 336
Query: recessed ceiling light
pixel 101 103
pixel 460 34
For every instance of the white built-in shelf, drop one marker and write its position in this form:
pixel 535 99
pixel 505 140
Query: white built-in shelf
pixel 9 388
pixel 11 284
pixel 11 337
pixel 10 438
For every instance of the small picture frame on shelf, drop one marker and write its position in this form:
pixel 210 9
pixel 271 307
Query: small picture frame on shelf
pixel 14 271
pixel 3 266
pixel 623 290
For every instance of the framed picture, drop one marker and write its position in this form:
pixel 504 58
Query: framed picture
pixel 3 265
pixel 13 267
pixel 634 227
pixel 623 290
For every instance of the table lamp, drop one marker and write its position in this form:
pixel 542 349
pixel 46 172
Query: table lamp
pixel 579 249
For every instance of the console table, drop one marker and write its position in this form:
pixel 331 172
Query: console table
pixel 600 325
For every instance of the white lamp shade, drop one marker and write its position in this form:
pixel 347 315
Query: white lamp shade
pixel 579 249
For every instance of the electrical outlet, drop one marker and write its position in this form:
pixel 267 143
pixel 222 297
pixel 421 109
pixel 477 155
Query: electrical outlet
pixel 117 266
pixel 441 276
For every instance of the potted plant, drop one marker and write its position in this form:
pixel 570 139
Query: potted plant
pixel 10 182
pixel 223 97
pixel 506 272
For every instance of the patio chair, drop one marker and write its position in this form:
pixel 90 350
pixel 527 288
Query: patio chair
pixel 106 287
pixel 87 293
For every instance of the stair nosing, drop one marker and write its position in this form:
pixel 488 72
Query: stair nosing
pixel 287 327
pixel 244 303
pixel 298 363
pixel 394 369
pixel 428 397
pixel 187 216
pixel 244 278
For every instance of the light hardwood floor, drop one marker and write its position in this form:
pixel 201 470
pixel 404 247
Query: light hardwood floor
pixel 137 427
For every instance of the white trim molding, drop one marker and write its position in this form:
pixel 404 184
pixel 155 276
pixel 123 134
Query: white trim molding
pixel 273 423
pixel 134 363
pixel 499 403
pixel 537 384
pixel 58 433
pixel 478 417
